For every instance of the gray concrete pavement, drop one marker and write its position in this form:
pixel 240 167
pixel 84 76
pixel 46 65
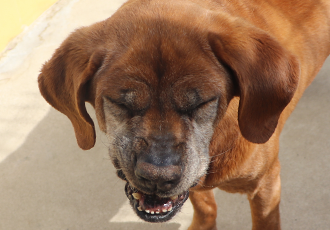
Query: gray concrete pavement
pixel 47 182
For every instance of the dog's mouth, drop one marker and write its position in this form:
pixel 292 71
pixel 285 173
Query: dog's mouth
pixel 153 208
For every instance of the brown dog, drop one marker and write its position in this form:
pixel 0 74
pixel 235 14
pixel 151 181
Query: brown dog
pixel 193 95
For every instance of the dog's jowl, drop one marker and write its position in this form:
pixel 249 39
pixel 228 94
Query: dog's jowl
pixel 192 95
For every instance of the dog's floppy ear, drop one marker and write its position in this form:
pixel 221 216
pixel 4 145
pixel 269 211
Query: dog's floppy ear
pixel 64 81
pixel 266 73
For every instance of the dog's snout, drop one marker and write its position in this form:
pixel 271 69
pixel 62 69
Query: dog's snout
pixel 159 168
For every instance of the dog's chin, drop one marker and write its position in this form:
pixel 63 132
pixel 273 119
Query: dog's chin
pixel 153 208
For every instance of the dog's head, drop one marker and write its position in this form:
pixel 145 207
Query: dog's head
pixel 160 82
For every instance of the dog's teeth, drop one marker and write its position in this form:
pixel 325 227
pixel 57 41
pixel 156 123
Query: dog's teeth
pixel 157 212
pixel 139 208
pixel 170 209
pixel 152 212
pixel 174 197
pixel 147 211
pixel 137 196
pixel 164 210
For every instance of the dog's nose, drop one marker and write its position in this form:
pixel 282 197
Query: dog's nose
pixel 160 167
pixel 154 177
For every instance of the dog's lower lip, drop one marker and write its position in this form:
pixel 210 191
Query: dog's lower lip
pixel 153 208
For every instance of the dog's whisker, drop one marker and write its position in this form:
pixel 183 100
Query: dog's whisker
pixel 229 149
pixel 212 172
pixel 107 158
pixel 205 186
pixel 105 143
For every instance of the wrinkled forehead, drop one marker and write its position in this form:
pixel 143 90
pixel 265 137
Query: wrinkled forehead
pixel 158 44
pixel 161 58
pixel 164 71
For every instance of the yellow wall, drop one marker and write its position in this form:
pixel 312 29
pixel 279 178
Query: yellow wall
pixel 16 14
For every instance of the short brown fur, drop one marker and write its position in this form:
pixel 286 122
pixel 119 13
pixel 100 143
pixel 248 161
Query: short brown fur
pixel 239 67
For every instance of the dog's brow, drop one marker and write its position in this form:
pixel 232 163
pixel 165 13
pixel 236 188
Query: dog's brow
pixel 191 99
pixel 129 98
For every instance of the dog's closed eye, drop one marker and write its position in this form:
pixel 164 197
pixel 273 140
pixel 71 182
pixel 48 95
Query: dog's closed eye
pixel 127 104
pixel 117 109
pixel 193 109
pixel 193 105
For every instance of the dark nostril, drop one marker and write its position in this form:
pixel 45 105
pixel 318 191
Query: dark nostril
pixel 143 176
pixel 167 185
pixel 142 179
